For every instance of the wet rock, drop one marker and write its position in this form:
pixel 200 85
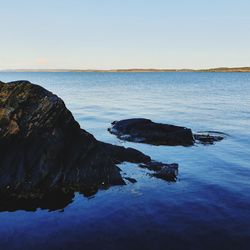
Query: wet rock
pixel 161 170
pixel 145 131
pixel 208 138
pixel 132 180
pixel 168 173
pixel 43 148
pixel 120 154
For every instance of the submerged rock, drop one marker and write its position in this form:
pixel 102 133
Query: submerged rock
pixel 145 131
pixel 43 148
pixel 208 138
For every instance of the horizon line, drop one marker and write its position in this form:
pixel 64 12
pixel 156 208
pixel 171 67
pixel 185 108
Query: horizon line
pixel 217 69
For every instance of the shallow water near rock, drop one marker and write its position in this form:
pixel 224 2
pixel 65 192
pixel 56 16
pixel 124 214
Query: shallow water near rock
pixel 206 208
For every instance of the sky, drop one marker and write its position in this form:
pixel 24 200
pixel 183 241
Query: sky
pixel 112 34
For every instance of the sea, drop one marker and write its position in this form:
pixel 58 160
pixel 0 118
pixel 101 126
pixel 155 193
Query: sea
pixel 208 207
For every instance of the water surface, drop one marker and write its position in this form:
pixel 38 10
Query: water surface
pixel 209 205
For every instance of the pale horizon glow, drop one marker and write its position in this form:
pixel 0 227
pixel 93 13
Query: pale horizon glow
pixel 124 34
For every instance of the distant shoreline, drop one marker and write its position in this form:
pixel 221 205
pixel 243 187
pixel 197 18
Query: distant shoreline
pixel 221 69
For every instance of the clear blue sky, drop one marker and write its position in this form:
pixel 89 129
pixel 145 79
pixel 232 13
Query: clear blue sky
pixel 106 34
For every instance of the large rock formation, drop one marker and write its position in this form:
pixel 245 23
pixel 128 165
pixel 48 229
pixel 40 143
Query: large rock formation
pixel 42 147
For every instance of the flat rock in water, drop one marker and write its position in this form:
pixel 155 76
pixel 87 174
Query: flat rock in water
pixel 145 131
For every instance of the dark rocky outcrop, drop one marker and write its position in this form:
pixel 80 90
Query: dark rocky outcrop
pixel 43 148
pixel 145 131
pixel 161 170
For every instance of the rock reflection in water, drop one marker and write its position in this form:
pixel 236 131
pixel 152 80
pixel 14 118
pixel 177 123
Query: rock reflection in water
pixel 51 200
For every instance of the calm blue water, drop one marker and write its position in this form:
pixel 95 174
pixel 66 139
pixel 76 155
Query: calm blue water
pixel 207 208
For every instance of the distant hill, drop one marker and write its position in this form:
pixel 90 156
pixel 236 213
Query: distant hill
pixel 224 69
pixel 221 69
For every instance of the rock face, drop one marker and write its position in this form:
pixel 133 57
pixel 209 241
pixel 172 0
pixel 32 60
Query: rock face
pixel 146 131
pixel 43 147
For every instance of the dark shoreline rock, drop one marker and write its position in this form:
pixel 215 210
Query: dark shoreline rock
pixel 120 154
pixel 145 131
pixel 43 148
pixel 45 157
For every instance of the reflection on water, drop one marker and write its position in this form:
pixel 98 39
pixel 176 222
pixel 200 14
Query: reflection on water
pixel 53 200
